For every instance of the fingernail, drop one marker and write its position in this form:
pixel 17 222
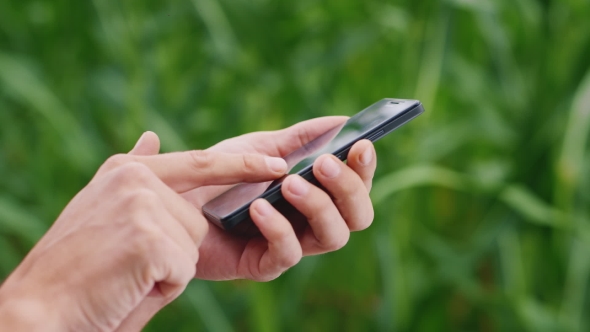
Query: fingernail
pixel 366 156
pixel 263 208
pixel 298 186
pixel 330 168
pixel 276 164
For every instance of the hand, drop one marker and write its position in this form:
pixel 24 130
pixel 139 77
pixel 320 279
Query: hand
pixel 322 223
pixel 126 245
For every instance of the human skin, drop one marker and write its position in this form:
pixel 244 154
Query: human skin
pixel 330 215
pixel 130 241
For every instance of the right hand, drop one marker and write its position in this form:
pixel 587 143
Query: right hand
pixel 126 245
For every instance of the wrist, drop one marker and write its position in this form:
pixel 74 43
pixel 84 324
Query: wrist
pixel 23 312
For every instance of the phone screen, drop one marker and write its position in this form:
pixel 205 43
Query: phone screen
pixel 335 138
pixel 332 141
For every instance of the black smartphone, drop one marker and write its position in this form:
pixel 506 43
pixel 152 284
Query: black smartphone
pixel 231 209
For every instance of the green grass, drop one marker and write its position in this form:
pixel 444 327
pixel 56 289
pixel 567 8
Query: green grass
pixel 481 203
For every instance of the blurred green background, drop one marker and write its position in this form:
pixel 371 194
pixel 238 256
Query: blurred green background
pixel 482 219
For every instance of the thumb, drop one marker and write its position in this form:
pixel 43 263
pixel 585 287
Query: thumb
pixel 147 145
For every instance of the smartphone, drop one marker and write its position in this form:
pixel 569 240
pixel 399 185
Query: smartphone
pixel 231 209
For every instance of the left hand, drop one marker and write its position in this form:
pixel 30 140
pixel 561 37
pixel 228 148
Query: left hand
pixel 330 216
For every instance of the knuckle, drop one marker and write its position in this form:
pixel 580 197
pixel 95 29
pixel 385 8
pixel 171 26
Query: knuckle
pixel 250 163
pixel 141 199
pixel 133 173
pixel 140 207
pixel 144 240
pixel 200 159
pixel 151 237
pixel 116 160
pixel 304 136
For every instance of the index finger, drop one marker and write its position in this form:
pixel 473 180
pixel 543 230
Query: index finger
pixel 184 171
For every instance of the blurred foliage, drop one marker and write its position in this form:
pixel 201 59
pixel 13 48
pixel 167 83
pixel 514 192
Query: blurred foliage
pixel 482 219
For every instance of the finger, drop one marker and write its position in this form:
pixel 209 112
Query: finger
pixel 284 250
pixel 141 186
pixel 170 270
pixel 147 145
pixel 169 267
pixel 347 189
pixel 178 224
pixel 363 160
pixel 327 229
pixel 280 143
pixel 187 218
pixel 184 171
pixel 292 138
